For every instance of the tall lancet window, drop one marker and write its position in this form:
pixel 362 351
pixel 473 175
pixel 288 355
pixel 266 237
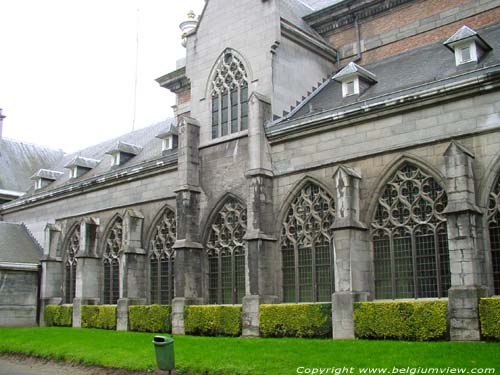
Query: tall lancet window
pixel 226 254
pixel 111 262
pixel 494 229
pixel 161 259
pixel 410 240
pixel 229 96
pixel 306 237
pixel 72 247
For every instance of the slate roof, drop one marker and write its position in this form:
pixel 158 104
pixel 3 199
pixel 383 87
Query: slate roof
pixel 411 70
pixel 80 161
pixel 47 174
pixel 17 245
pixel 19 161
pixel 144 138
pixel 351 69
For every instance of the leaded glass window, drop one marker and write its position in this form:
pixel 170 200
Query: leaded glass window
pixel 162 258
pixel 306 237
pixel 72 247
pixel 229 96
pixel 410 240
pixel 494 229
pixel 226 254
pixel 111 262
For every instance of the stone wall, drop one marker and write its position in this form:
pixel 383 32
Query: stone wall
pixel 18 298
pixel 411 25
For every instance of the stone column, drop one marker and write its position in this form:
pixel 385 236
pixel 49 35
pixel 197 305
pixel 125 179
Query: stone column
pixel 52 271
pixel 88 269
pixel 188 249
pixel 465 245
pixel 259 258
pixel 132 268
pixel 352 260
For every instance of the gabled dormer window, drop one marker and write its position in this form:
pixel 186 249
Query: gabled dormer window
pixel 122 152
pixel 354 79
pixel 80 165
pixel 169 139
pixel 467 45
pixel 45 177
pixel 229 96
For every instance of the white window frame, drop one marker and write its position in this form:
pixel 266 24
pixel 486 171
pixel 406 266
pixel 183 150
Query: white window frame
pixel 459 47
pixel 345 86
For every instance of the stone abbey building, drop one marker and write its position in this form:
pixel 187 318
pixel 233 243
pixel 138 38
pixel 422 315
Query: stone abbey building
pixel 322 151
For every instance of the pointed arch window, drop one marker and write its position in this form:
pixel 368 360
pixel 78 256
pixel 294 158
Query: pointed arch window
pixel 410 239
pixel 72 248
pixel 226 250
pixel 229 96
pixel 162 258
pixel 494 231
pixel 111 262
pixel 306 238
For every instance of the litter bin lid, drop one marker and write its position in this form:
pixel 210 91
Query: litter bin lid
pixel 162 340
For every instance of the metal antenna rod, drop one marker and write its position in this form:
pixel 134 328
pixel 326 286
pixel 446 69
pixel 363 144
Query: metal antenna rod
pixel 136 70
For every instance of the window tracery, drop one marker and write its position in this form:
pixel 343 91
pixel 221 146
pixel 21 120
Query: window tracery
pixel 162 259
pixel 72 248
pixel 229 96
pixel 410 238
pixel 307 232
pixel 494 232
pixel 111 261
pixel 226 250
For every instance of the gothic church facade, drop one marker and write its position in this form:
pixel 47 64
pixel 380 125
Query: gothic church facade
pixel 324 151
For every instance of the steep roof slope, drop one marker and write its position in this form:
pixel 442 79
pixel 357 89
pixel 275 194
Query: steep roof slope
pixel 19 161
pixel 145 138
pixel 17 245
pixel 427 66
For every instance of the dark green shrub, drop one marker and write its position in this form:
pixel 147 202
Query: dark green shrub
pixel 59 316
pixel 212 320
pixel 102 316
pixel 296 320
pixel 415 320
pixel 489 315
pixel 152 318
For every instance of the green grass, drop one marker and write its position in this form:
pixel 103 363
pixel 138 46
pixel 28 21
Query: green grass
pixel 236 355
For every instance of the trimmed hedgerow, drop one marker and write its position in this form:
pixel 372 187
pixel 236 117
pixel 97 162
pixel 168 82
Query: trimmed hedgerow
pixel 151 318
pixel 296 320
pixel 59 316
pixel 98 316
pixel 415 320
pixel 212 320
pixel 489 315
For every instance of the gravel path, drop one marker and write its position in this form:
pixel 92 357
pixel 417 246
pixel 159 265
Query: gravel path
pixel 24 365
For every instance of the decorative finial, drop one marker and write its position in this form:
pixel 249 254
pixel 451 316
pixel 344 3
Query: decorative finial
pixel 187 26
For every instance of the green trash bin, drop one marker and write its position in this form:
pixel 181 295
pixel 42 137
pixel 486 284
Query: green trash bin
pixel 164 348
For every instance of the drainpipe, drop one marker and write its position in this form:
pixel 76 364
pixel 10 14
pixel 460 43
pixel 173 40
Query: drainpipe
pixel 358 40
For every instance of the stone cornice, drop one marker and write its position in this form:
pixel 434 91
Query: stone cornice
pixel 487 79
pixel 344 13
pixel 308 41
pixel 124 175
pixel 176 81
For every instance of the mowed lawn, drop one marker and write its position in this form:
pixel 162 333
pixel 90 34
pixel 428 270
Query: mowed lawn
pixel 244 356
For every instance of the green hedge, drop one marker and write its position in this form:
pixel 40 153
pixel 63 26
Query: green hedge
pixel 103 316
pixel 296 320
pixel 415 320
pixel 212 320
pixel 60 316
pixel 152 318
pixel 489 314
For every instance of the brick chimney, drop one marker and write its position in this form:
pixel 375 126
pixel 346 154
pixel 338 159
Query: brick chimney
pixel 1 122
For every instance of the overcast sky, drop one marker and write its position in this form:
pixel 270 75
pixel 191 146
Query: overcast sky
pixel 67 67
